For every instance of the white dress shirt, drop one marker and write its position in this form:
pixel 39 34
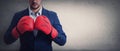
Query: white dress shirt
pixel 34 16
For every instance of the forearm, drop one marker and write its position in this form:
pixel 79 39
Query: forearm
pixel 60 39
pixel 8 37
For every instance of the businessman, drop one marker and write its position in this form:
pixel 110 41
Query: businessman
pixel 36 27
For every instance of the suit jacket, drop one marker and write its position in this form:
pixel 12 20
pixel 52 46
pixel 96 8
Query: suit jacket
pixel 42 42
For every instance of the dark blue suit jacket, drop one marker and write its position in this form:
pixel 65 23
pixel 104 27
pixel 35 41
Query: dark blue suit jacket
pixel 42 42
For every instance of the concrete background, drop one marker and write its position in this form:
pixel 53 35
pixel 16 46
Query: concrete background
pixel 90 25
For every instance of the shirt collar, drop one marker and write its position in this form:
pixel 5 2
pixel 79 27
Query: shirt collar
pixel 32 13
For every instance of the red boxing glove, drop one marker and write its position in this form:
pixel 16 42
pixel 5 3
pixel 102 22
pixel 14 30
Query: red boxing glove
pixel 54 33
pixel 42 23
pixel 26 23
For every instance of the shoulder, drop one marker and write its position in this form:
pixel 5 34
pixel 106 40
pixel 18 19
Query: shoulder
pixel 22 12
pixel 52 16
pixel 51 13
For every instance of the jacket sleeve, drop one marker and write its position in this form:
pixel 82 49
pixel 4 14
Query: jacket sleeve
pixel 61 38
pixel 8 37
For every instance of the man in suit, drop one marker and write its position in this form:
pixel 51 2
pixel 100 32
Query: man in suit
pixel 36 27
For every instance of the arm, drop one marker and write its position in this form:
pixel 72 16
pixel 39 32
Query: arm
pixel 61 38
pixel 8 37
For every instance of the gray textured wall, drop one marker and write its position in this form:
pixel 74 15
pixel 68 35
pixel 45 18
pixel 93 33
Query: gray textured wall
pixel 89 24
